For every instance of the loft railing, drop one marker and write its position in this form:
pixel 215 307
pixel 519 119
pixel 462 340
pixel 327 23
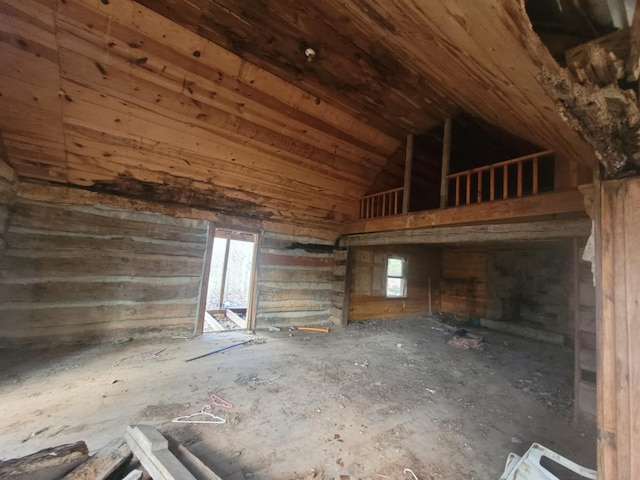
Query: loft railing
pixel 500 181
pixel 508 179
pixel 382 204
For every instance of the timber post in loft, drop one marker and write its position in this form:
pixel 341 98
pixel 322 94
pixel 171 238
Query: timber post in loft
pixel 446 156
pixel 408 163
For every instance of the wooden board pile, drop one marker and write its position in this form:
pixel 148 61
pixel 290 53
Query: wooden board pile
pixel 145 454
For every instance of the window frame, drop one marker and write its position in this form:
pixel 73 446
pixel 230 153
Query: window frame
pixel 402 277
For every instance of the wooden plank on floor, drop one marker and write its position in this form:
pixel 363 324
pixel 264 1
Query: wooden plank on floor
pixel 152 449
pixel 103 463
pixel 47 464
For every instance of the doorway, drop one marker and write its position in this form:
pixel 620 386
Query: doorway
pixel 229 277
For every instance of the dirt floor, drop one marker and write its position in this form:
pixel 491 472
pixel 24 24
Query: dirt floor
pixel 366 401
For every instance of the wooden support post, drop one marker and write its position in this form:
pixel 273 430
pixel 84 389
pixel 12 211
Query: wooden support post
pixel 457 191
pixel 223 282
pixel 519 179
pixel 204 285
pixel 479 198
pixel 618 329
pixel 492 187
pixel 348 276
pixel 505 182
pixel 535 176
pixel 446 158
pixel 468 188
pixel 408 163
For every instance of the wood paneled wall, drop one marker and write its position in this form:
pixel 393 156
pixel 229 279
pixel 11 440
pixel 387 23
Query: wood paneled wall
pixel 85 273
pixel 463 287
pixel 294 286
pixel 368 266
pixel 113 97
pixel 618 329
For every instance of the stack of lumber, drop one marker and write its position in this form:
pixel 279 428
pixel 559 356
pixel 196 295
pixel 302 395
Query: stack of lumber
pixel 145 454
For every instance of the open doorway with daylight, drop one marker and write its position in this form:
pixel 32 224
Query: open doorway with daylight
pixel 230 281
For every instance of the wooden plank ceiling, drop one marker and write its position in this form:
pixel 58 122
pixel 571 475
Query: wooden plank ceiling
pixel 213 103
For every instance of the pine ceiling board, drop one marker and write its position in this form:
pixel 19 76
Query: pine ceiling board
pixel 488 66
pixel 30 97
pixel 236 134
pixel 412 61
pixel 274 35
pixel 140 29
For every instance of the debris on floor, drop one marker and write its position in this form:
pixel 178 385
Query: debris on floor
pixel 465 340
pixel 48 464
pixel 164 458
pixel 529 466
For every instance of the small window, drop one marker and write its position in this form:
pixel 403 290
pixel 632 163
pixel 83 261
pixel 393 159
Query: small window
pixel 396 277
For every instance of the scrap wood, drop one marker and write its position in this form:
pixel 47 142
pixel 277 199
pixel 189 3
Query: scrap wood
pixel 313 329
pixel 103 463
pixel 47 464
pixel 219 350
pixel 164 458
pixel 152 449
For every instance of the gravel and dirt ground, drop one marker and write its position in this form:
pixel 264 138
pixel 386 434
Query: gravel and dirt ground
pixel 365 401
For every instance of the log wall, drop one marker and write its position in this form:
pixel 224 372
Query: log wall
pixel 7 196
pixel 86 273
pixel 368 300
pixel 463 286
pixel 294 285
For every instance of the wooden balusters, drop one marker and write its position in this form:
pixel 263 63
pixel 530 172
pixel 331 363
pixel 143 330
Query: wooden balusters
pixel 516 179
pixel 522 182
pixel 382 204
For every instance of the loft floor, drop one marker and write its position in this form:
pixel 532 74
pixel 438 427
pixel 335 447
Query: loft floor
pixel 350 402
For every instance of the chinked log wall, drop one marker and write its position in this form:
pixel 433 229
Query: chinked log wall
pixel 84 273
pixel 295 285
pixel 7 196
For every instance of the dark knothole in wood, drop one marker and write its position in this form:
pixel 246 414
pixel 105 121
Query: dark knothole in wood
pixel 196 53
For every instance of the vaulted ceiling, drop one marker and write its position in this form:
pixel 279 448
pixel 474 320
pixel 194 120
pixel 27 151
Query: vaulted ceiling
pixel 213 103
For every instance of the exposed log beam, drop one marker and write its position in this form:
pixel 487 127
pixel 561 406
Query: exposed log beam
pixel 408 164
pixel 508 232
pixel 518 209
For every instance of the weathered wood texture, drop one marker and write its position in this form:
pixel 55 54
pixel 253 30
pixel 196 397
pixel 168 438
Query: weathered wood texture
pixel 75 196
pixel 551 205
pixel 368 298
pixel 508 232
pixel 463 286
pixel 397 63
pixel 8 188
pixel 47 464
pixel 585 338
pixel 79 273
pixel 339 294
pixel 116 98
pixel 294 286
pixel 618 329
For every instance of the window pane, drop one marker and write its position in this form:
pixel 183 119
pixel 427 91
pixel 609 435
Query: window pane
pixel 394 287
pixel 394 267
